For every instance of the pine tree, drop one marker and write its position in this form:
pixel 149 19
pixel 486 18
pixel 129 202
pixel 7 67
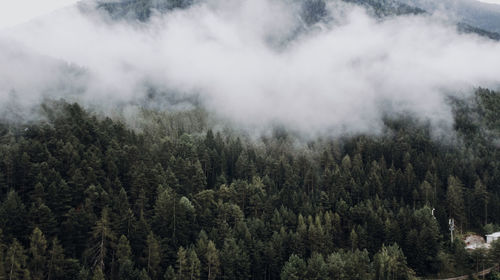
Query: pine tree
pixel 59 197
pixel 481 201
pixel 123 216
pixel 169 274
pixel 38 253
pixel 353 237
pixel 357 265
pixel 13 218
pixel 390 263
pixel 123 250
pixel 198 181
pixel 494 252
pixel 336 266
pixel 103 238
pixel 98 274
pixel 193 265
pixel 124 259
pixel 153 256
pixel 301 237
pixel 182 264
pixel 316 235
pixel 294 269
pixel 55 262
pixel 143 275
pixel 234 260
pixel 455 199
pixel 38 193
pixel 212 260
pixel 165 214
pixel 427 191
pixel 15 262
pixel 43 218
pixel 316 267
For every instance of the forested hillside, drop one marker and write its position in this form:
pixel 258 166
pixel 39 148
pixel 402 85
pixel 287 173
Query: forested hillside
pixel 87 197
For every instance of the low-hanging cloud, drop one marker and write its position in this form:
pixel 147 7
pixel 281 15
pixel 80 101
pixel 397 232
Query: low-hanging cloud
pixel 253 62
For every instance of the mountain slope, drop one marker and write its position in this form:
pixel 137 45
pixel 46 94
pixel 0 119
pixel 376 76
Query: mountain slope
pixel 383 8
pixel 470 16
pixel 140 9
pixel 481 15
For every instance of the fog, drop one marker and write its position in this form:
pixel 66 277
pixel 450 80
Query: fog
pixel 252 62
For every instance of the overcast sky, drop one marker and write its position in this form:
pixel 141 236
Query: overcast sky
pixel 490 1
pixel 14 12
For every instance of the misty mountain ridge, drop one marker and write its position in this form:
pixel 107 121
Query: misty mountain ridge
pixel 140 9
pixel 219 57
pixel 471 16
pixel 482 15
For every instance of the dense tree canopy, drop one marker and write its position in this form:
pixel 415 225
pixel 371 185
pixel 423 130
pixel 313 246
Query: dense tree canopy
pixel 87 197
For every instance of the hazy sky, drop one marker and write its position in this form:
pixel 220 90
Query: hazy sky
pixel 13 12
pixel 490 1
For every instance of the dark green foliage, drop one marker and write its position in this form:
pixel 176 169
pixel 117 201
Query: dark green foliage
pixel 13 216
pixel 176 200
pixel 390 263
pixel 16 261
pixel 294 268
pixel 38 254
pixel 57 266
pixel 235 263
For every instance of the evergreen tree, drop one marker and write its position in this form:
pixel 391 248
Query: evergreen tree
pixel 294 268
pixel 13 218
pixel 103 238
pixel 124 259
pixel 56 261
pixel 336 266
pixel 390 263
pixel 38 254
pixel 153 256
pixel 234 261
pixel 494 252
pixel 182 264
pixel 455 199
pixel 15 262
pixel 193 265
pixel 98 274
pixel 480 205
pixel 165 214
pixel 212 261
pixel 316 267
pixel 169 274
pixel 123 251
pixel 43 218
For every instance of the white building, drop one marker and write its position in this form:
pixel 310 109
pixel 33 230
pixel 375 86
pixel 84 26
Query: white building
pixel 473 242
pixel 492 237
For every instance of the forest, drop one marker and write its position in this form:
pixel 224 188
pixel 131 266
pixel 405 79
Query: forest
pixel 177 196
